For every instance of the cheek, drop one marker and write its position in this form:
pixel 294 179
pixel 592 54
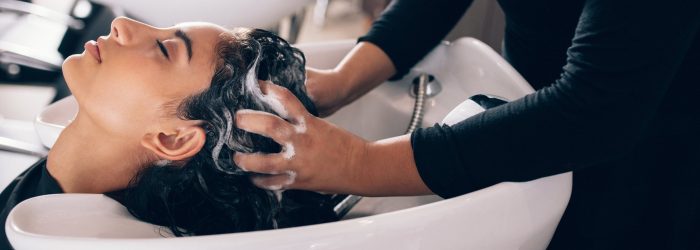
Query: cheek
pixel 122 99
pixel 127 78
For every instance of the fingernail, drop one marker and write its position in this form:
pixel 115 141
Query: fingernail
pixel 240 123
pixel 263 86
pixel 236 160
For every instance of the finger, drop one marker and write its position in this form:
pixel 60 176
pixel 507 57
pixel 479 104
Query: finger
pixel 273 182
pixel 264 124
pixel 260 163
pixel 293 106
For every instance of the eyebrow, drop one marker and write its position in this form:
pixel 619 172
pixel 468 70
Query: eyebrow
pixel 188 42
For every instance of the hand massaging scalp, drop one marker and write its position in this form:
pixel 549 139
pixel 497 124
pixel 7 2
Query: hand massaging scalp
pixel 272 101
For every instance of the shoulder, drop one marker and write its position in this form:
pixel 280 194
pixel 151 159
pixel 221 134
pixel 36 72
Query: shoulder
pixel 32 182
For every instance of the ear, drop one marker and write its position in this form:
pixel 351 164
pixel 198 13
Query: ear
pixel 184 143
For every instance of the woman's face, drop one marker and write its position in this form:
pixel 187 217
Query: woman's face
pixel 124 81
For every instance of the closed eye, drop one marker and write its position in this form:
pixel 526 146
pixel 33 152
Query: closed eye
pixel 163 49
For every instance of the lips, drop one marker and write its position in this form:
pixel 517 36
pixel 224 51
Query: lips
pixel 92 49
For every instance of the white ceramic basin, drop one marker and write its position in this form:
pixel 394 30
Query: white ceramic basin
pixel 504 216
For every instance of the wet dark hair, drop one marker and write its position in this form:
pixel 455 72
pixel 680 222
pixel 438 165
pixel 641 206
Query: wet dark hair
pixel 209 194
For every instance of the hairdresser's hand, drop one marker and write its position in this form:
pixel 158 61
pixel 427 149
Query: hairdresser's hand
pixel 316 154
pixel 362 69
pixel 327 90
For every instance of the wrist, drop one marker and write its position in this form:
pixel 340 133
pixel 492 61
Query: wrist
pixel 358 168
pixel 387 168
pixel 344 80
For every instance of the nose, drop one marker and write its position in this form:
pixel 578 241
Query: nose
pixel 126 30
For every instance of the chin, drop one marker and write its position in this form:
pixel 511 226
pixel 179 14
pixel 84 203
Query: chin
pixel 74 71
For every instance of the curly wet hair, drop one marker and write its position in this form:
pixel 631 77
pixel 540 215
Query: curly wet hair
pixel 209 194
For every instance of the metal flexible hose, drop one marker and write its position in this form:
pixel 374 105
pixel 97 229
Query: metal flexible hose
pixel 417 117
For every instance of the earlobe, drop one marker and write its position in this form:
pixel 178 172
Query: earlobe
pixel 181 145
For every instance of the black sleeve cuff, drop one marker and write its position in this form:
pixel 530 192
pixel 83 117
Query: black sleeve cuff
pixel 435 152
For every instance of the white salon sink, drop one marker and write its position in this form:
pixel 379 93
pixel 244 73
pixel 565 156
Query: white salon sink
pixel 503 216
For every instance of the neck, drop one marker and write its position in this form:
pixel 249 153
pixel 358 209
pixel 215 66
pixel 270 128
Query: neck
pixel 86 159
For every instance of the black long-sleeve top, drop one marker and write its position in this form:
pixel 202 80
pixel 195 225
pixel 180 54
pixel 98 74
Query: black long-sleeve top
pixel 617 103
pixel 34 181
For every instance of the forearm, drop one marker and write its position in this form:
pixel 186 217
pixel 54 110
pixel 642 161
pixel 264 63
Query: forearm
pixel 396 42
pixel 387 168
pixel 364 68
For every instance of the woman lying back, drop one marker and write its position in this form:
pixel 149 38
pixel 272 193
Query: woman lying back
pixel 156 128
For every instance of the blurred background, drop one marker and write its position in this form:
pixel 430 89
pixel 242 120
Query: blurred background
pixel 36 36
